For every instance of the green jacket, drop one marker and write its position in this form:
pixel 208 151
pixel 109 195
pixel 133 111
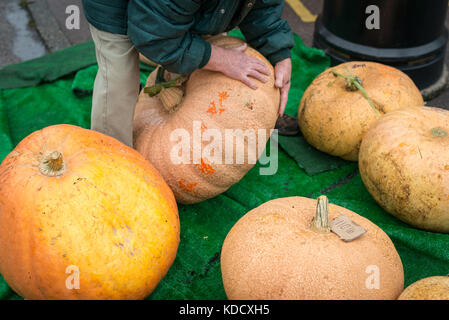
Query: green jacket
pixel 107 15
pixel 169 31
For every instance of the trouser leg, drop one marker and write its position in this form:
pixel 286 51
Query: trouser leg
pixel 116 87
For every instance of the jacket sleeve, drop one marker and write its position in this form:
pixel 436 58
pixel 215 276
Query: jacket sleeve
pixel 267 32
pixel 160 31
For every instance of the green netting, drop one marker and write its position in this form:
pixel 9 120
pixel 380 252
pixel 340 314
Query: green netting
pixel 195 273
pixel 83 82
pixel 310 159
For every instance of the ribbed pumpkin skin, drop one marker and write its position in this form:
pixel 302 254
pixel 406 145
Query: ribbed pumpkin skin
pixel 110 214
pixel 406 168
pixel 334 120
pixel 271 253
pixel 217 102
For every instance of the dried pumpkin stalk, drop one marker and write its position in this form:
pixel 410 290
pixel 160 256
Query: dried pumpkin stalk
pixel 354 83
pixel 170 93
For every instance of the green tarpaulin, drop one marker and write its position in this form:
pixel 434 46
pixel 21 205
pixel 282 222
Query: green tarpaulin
pixel 57 89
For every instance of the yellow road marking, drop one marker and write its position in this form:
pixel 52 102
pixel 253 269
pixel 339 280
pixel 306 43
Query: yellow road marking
pixel 301 10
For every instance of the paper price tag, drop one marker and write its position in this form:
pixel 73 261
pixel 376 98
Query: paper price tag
pixel 346 229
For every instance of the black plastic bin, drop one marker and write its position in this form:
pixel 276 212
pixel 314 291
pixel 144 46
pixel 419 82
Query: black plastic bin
pixel 412 35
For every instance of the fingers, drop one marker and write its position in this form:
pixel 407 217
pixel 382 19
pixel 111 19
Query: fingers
pixel 241 48
pixel 257 75
pixel 253 61
pixel 256 71
pixel 262 67
pixel 282 72
pixel 279 80
pixel 249 82
pixel 284 98
pixel 245 68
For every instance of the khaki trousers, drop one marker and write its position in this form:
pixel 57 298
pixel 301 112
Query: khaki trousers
pixel 116 87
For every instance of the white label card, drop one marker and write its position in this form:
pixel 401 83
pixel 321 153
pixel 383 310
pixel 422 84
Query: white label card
pixel 346 229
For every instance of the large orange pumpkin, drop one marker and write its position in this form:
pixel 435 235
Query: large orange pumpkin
pixel 211 101
pixel 334 114
pixel 404 164
pixel 83 216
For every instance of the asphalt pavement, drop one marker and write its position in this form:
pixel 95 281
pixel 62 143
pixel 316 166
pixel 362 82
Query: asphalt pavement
pixel 19 39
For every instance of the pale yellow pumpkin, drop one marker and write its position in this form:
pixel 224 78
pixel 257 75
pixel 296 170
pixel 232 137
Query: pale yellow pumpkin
pixel 432 288
pixel 404 164
pixel 334 115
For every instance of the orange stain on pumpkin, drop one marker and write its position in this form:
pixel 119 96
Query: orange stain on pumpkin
pixel 205 167
pixel 222 96
pixel 255 54
pixel 190 187
pixel 212 109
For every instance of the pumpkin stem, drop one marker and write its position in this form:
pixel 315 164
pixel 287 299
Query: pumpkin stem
pixel 354 83
pixel 52 165
pixel 161 84
pixel 170 92
pixel 157 88
pixel 320 222
pixel 160 75
pixel 438 132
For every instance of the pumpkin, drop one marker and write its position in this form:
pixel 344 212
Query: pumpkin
pixel 432 288
pixel 344 101
pixel 210 103
pixel 82 216
pixel 283 249
pixel 404 164
pixel 147 61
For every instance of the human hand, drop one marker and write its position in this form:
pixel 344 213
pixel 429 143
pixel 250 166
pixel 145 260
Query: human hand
pixel 282 73
pixel 235 64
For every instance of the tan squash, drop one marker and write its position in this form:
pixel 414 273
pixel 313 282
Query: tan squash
pixel 404 164
pixel 82 216
pixel 276 252
pixel 432 288
pixel 146 60
pixel 211 101
pixel 334 114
